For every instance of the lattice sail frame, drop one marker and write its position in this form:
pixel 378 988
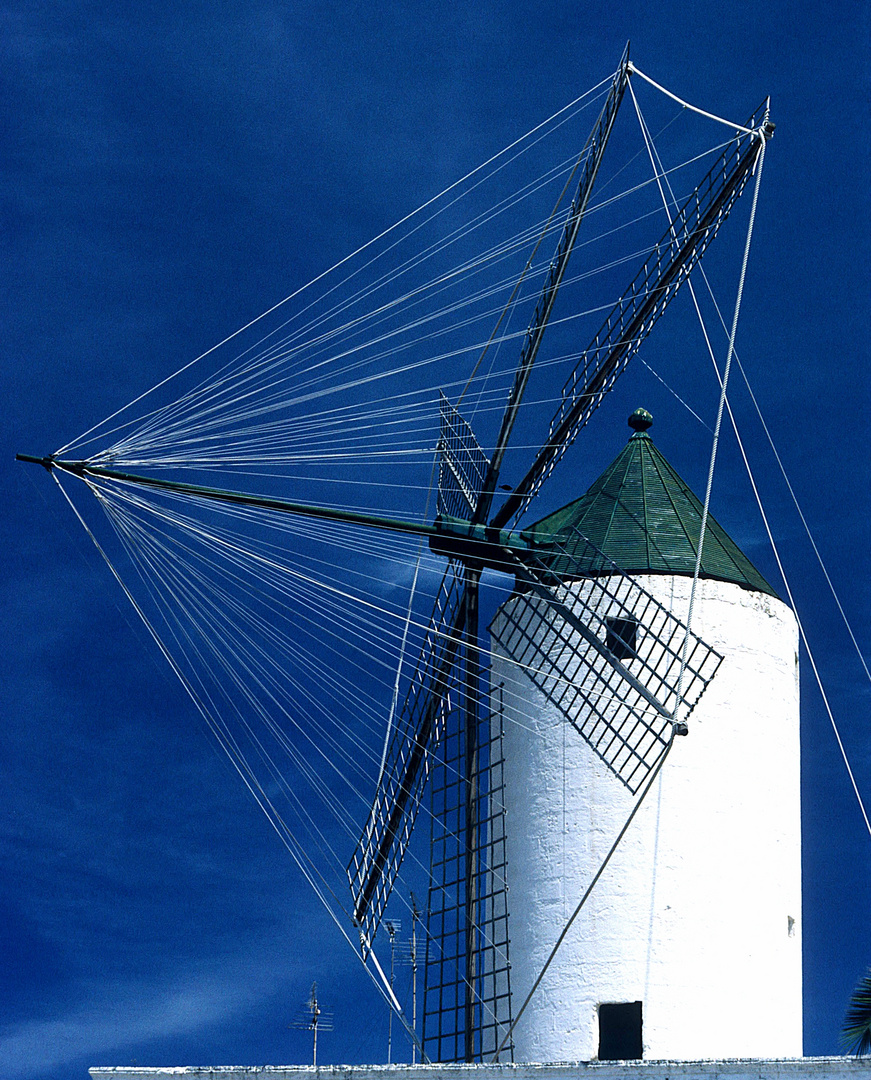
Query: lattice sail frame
pixel 445 1011
pixel 463 464
pixel 420 724
pixel 588 685
pixel 628 323
pixel 417 731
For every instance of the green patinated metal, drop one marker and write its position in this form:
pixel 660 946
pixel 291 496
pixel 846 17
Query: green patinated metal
pixel 642 515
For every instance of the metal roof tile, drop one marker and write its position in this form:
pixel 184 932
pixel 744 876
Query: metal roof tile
pixel 642 515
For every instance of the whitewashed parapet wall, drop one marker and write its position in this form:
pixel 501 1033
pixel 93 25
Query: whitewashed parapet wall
pixel 833 1068
pixel 699 913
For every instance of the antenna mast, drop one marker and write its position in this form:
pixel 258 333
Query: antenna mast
pixel 393 927
pixel 314 1019
pixel 415 915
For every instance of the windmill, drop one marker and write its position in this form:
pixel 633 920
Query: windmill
pixel 469 1018
pixel 445 732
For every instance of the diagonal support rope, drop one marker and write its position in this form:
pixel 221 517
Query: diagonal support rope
pixel 722 379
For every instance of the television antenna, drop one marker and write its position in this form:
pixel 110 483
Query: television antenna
pixel 313 1019
pixel 392 926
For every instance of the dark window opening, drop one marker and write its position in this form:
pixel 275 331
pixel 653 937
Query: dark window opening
pixel 620 1031
pixel 622 637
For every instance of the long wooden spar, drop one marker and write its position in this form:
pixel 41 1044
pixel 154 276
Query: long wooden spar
pixel 453 537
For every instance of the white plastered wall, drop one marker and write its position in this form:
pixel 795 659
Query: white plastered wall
pixel 699 914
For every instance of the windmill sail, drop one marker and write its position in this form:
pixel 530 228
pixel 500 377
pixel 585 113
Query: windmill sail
pixel 632 318
pixel 416 734
pixel 615 662
pixel 573 642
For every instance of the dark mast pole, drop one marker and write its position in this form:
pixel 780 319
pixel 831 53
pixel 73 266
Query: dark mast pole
pixel 470 777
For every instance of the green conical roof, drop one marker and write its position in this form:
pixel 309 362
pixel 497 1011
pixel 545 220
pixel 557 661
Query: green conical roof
pixel 645 518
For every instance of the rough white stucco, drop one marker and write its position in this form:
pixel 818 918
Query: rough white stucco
pixel 698 915
pixel 831 1068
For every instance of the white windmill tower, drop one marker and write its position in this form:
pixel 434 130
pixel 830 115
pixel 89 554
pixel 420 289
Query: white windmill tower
pixel 689 946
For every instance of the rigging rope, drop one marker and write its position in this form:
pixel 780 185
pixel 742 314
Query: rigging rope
pixel 764 516
pixel 724 381
pixel 297 851
pixel 801 630
pixel 363 247
pixel 277 354
pixel 686 104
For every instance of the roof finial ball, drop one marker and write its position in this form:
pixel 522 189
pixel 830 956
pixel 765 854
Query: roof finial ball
pixel 640 420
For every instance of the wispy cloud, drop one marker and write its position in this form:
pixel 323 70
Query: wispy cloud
pixel 120 1018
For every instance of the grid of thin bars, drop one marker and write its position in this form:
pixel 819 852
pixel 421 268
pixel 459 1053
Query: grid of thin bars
pixel 495 967
pixel 462 464
pixel 380 850
pixel 590 687
pixel 446 987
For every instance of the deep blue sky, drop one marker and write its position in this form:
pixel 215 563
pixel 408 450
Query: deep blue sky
pixel 168 172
